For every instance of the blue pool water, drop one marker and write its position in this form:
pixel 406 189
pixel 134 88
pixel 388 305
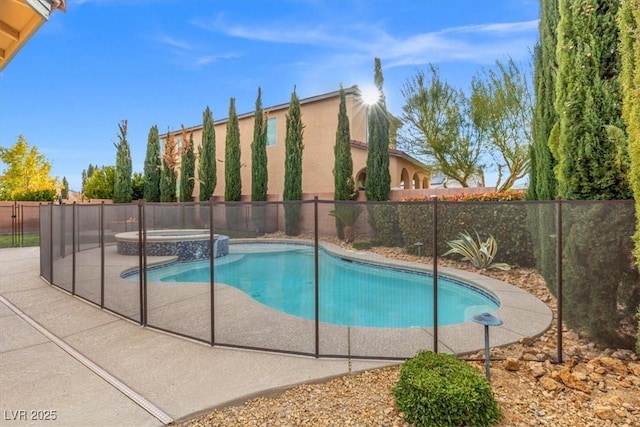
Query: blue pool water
pixel 351 292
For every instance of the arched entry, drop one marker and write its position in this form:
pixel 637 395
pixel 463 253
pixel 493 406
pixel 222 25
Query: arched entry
pixel 404 179
pixel 416 180
pixel 361 178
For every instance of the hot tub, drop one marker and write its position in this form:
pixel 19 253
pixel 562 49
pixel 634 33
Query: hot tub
pixel 187 244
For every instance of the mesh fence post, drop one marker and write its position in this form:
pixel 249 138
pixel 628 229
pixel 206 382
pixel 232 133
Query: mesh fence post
pixel 316 275
pixel 559 276
pixel 101 239
pixel 51 243
pixel 73 247
pixel 141 263
pixel 212 271
pixel 435 273
pixel 21 225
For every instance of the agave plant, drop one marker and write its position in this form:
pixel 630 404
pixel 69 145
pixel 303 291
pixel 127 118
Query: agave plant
pixel 479 253
pixel 347 215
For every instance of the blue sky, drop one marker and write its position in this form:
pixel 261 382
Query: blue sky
pixel 162 62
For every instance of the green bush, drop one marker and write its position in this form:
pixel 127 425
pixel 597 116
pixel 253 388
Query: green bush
pixel 387 228
pixel 48 195
pixel 362 244
pixel 442 390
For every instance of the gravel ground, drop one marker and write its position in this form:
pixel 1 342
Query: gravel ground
pixel 592 388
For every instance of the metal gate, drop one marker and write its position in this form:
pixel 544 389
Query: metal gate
pixel 19 224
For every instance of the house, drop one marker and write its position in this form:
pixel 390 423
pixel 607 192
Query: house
pixel 320 119
pixel 19 21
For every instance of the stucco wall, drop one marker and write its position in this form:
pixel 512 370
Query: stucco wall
pixel 320 119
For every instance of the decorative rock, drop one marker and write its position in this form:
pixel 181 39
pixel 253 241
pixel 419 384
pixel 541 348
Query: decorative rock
pixel 537 370
pixel 604 412
pixel 622 354
pixel 612 364
pixel 512 364
pixel 549 384
pixel 571 380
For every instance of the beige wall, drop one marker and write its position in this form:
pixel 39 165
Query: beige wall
pixel 320 120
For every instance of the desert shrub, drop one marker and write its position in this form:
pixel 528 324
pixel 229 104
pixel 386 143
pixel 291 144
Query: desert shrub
pixel 441 390
pixel 479 253
pixel 347 215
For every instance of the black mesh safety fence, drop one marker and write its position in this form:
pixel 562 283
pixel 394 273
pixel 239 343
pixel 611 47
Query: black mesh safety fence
pixel 88 260
pixel 600 280
pixel 46 245
pixel 120 256
pixel 379 280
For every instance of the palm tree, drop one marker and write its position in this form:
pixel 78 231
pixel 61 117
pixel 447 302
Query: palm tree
pixel 347 215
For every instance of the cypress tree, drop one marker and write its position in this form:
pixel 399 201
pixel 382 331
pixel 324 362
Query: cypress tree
pixel 344 186
pixel 378 179
pixel 233 182
pixel 170 163
pixel 588 101
pixel 598 283
pixel 542 182
pixel 187 167
pixel 152 167
pixel 64 192
pixel 83 180
pixel 629 24
pixel 207 164
pixel 293 166
pixel 86 174
pixel 122 187
pixel 259 175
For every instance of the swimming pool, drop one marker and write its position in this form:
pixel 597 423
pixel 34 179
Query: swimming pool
pixel 351 293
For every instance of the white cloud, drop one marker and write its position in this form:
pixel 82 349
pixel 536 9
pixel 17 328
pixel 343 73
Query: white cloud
pixel 476 43
pixel 170 41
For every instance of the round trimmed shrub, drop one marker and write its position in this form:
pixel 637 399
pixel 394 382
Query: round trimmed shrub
pixel 441 390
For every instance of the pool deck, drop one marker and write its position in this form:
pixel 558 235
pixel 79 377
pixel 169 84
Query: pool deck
pixel 60 353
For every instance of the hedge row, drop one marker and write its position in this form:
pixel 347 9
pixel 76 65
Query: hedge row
pixel 502 215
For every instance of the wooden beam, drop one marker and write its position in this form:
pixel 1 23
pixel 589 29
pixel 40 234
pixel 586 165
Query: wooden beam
pixel 9 31
pixel 3 54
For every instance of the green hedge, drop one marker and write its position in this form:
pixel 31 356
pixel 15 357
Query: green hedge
pixel 502 215
pixel 442 390
pixel 387 228
pixel 36 196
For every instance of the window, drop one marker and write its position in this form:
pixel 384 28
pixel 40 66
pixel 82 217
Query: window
pixel 271 131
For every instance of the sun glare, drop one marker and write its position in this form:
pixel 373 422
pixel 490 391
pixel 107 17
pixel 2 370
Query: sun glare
pixel 370 95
